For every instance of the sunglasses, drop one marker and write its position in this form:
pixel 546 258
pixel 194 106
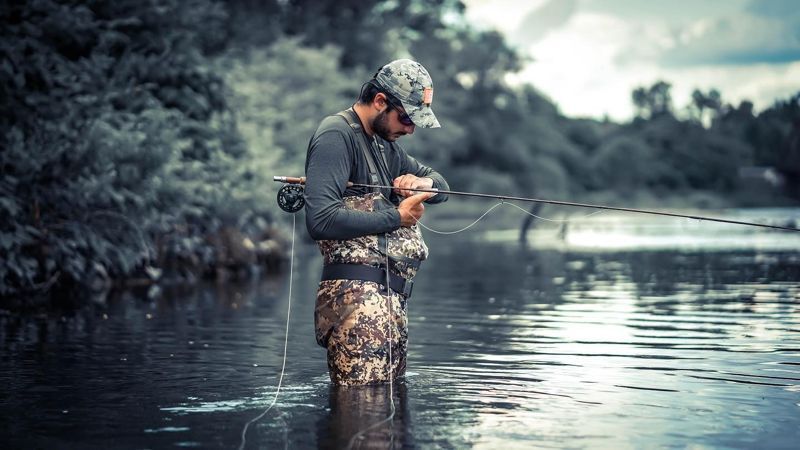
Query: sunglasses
pixel 401 115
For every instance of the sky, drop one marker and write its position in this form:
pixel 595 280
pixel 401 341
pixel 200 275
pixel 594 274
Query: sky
pixel 588 55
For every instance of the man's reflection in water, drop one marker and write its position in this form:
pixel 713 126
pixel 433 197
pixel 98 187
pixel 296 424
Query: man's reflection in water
pixel 355 408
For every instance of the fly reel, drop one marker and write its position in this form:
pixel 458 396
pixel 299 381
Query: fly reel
pixel 290 198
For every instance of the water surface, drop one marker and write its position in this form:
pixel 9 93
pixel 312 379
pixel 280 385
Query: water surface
pixel 566 342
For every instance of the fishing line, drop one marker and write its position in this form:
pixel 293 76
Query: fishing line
pixel 552 220
pixel 297 202
pixel 495 206
pixel 462 229
pixel 392 409
pixel 285 342
pixel 290 199
pixel 357 436
pixel 564 203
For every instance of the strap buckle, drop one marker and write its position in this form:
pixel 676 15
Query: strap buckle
pixel 408 286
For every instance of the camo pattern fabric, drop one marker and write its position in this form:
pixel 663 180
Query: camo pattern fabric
pixel 355 320
pixel 410 83
pixel 406 246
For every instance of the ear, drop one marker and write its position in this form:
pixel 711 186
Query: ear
pixel 380 101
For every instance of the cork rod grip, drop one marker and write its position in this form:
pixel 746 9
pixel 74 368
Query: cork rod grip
pixel 296 180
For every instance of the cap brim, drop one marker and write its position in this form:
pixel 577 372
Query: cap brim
pixel 422 116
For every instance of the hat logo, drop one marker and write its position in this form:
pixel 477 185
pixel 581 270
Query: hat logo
pixel 427 96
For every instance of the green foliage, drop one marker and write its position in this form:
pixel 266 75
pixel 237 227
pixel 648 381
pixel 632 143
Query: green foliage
pixel 702 102
pixel 624 163
pixel 668 155
pixel 707 151
pixel 279 94
pixel 115 131
pixel 653 101
pixel 774 136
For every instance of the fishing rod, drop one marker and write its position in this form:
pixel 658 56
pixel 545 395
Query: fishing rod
pixel 290 199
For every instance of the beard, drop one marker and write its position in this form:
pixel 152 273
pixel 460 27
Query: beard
pixel 380 125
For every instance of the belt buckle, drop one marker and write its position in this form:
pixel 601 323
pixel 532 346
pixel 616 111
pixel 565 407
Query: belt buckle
pixel 408 286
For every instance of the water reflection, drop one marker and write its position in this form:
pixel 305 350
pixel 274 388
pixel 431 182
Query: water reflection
pixel 509 346
pixel 622 330
pixel 363 417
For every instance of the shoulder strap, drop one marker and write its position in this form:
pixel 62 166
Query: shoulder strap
pixel 352 119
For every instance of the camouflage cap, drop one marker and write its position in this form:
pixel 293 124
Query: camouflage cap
pixel 410 83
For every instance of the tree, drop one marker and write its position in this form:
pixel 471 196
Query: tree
pixel 653 101
pixel 116 132
pixel 640 102
pixel 702 102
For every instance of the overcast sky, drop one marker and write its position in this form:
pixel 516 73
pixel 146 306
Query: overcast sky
pixel 588 55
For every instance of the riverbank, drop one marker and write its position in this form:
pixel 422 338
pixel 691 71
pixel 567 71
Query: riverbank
pixel 175 262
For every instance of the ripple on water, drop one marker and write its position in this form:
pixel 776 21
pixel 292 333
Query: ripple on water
pixel 510 347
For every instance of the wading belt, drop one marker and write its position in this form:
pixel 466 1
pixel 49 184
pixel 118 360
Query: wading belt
pixel 367 273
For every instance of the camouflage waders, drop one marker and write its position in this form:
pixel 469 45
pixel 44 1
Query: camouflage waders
pixel 353 318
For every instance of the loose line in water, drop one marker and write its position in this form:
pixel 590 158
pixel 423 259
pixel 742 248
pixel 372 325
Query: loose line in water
pixel 285 343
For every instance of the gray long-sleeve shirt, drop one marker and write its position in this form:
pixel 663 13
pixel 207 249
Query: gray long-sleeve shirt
pixel 334 157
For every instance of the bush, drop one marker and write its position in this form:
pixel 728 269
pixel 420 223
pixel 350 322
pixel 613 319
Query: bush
pixel 116 132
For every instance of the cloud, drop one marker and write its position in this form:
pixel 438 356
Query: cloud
pixel 588 56
pixel 575 66
pixel 673 12
pixel 537 23
pixel 502 15
pixel 687 33
pixel 742 39
pixel 774 8
pixel 761 84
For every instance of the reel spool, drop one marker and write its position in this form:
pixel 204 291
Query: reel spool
pixel 290 198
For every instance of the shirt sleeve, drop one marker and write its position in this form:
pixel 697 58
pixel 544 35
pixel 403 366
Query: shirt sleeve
pixel 328 165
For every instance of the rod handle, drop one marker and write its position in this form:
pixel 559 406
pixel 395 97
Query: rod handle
pixel 290 180
pixel 296 180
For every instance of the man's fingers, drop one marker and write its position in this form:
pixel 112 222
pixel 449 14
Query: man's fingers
pixel 406 185
pixel 411 208
pixel 402 178
pixel 416 199
pixel 401 182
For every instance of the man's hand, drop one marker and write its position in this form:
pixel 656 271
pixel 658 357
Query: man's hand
pixel 408 181
pixel 411 209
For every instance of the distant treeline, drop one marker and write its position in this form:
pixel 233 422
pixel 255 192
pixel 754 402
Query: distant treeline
pixel 140 138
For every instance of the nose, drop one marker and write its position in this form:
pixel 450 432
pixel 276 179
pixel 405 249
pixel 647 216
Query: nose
pixel 409 129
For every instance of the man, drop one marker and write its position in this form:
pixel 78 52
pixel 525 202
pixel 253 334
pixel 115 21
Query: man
pixel 369 235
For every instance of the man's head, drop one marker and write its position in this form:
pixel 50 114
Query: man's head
pixel 408 89
pixel 383 114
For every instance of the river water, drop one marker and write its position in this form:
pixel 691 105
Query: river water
pixel 609 334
